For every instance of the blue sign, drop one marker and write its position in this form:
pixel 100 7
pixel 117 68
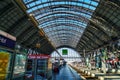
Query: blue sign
pixel 6 42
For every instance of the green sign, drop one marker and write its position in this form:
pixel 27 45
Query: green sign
pixel 64 52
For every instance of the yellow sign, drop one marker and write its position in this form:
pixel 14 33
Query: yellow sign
pixel 4 60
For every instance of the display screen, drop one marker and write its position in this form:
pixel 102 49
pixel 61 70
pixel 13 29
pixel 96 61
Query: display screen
pixel 19 67
pixel 64 52
pixel 4 63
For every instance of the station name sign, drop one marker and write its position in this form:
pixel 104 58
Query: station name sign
pixel 7 40
pixel 38 56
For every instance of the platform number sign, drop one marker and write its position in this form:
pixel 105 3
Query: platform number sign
pixel 64 52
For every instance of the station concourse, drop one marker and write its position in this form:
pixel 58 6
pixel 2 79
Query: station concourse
pixel 59 39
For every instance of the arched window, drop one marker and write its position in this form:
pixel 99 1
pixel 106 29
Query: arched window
pixel 68 54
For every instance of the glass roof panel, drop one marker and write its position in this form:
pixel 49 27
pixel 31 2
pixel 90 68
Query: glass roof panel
pixel 63 21
pixel 63 28
pixel 62 13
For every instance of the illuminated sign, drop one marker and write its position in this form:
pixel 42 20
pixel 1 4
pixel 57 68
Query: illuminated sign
pixel 64 52
pixel 38 56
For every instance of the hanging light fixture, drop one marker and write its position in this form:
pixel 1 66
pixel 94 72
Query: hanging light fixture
pixel 38 44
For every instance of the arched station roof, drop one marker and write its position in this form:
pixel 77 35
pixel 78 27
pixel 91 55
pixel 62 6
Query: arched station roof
pixel 78 24
pixel 63 21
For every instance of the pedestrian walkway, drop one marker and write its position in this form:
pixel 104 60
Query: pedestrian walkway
pixel 66 73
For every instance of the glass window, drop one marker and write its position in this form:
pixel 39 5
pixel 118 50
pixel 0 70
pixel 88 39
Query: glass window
pixel 70 55
pixel 19 67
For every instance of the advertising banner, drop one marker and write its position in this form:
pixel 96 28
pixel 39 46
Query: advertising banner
pixel 4 62
pixel 6 42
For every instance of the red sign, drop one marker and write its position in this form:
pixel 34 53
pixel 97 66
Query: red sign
pixel 38 56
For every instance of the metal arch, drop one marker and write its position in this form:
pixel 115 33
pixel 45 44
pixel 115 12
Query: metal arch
pixel 59 37
pixel 60 12
pixel 77 9
pixel 84 45
pixel 29 38
pixel 80 45
pixel 63 40
pixel 68 38
pixel 43 44
pixel 107 24
pixel 35 38
pixel 61 15
pixel 31 43
pixel 9 7
pixel 65 46
pixel 106 19
pixel 100 30
pixel 63 28
pixel 88 33
pixel 115 1
pixel 75 31
pixel 27 35
pixel 31 33
pixel 91 39
pixel 66 33
pixel 25 32
pixel 95 35
pixel 65 24
pixel 59 4
pixel 79 18
pixel 96 24
pixel 97 42
pixel 87 42
pixel 16 24
pixel 98 21
pixel 55 40
pixel 93 44
pixel 61 21
pixel 62 36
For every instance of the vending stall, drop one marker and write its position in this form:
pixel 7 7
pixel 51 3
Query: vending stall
pixel 38 66
pixel 7 44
